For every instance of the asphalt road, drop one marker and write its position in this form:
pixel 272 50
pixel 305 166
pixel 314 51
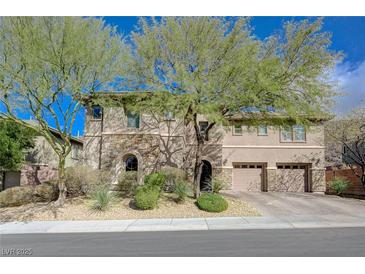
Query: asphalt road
pixel 280 242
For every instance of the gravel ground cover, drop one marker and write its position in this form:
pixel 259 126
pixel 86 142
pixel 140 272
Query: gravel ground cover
pixel 79 209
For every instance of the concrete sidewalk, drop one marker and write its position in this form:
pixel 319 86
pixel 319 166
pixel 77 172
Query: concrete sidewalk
pixel 180 224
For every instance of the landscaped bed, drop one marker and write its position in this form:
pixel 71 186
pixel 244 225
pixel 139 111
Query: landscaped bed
pixel 80 209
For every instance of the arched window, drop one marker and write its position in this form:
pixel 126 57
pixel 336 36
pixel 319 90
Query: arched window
pixel 131 163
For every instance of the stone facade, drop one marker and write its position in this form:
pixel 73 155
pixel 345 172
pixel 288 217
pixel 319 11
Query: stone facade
pixel 160 142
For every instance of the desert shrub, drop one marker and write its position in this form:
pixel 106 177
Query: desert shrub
pixel 339 185
pixel 146 197
pixel 156 179
pixel 84 180
pixel 173 176
pixel 212 202
pixel 21 195
pixel 218 185
pixel 182 190
pixel 102 199
pixel 127 183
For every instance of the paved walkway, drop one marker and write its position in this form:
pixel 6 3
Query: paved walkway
pixel 180 224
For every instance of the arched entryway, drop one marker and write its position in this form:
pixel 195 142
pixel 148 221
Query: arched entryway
pixel 206 176
pixel 131 163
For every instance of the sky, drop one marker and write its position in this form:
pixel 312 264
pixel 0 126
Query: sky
pixel 347 36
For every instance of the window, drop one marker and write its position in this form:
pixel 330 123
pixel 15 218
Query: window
pixel 299 133
pixel 203 126
pixel 131 163
pixel 169 115
pixel 294 133
pixel 237 130
pixel 97 112
pixel 262 130
pixel 75 152
pixel 286 134
pixel 132 119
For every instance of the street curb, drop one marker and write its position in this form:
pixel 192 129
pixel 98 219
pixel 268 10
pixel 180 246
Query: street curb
pixel 173 224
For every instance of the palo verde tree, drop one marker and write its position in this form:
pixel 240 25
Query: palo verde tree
pixel 347 134
pixel 47 64
pixel 218 68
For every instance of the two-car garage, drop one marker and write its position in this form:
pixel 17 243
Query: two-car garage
pixel 253 177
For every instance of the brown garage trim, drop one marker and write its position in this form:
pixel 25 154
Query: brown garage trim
pixel 254 165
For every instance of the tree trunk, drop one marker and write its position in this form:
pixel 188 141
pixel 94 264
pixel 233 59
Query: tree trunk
pixel 198 166
pixel 363 177
pixel 61 181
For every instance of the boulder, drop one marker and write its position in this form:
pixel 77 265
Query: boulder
pixel 21 195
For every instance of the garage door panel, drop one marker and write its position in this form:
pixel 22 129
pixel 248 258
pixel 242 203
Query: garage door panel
pixel 12 178
pixel 247 177
pixel 291 178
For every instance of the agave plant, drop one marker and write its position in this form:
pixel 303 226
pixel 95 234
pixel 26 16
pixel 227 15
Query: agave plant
pixel 102 199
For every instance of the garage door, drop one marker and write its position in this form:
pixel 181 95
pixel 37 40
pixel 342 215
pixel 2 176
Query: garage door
pixel 12 178
pixel 292 178
pixel 248 177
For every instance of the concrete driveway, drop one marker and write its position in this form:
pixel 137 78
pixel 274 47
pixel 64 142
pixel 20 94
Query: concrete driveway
pixel 308 205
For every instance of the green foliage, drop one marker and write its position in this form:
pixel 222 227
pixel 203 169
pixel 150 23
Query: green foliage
pixel 84 180
pixel 14 141
pixel 220 67
pixel 173 176
pixel 182 190
pixel 339 185
pixel 212 202
pixel 48 64
pixel 155 179
pixel 146 197
pixel 102 199
pixel 218 185
pixel 127 183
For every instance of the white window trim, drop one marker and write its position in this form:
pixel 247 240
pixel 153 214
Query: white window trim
pixel 234 131
pixel 292 136
pixel 258 131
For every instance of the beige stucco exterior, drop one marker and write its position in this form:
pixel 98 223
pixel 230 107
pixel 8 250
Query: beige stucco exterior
pixel 159 142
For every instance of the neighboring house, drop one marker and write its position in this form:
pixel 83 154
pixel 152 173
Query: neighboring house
pixel 43 154
pixel 248 159
pixel 41 163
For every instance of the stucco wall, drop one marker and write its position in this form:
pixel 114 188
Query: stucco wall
pixel 159 142
pixel 42 153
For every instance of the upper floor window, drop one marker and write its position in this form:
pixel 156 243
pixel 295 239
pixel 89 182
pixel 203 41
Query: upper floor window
pixel 169 115
pixel 203 126
pixel 262 130
pixel 97 112
pixel 294 133
pixel 132 119
pixel 237 130
pixel 75 152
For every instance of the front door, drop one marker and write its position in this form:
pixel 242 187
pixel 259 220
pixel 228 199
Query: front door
pixel 206 177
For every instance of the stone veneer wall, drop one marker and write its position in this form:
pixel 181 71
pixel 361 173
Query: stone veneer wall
pixel 115 148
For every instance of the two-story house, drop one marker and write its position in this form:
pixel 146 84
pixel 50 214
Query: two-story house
pixel 262 158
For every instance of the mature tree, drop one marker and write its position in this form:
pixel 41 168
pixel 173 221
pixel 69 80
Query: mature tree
pixel 218 68
pixel 46 64
pixel 348 136
pixel 14 141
